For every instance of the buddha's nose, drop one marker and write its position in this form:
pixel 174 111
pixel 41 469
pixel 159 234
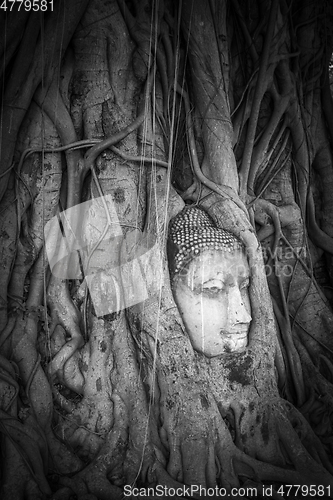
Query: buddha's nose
pixel 238 309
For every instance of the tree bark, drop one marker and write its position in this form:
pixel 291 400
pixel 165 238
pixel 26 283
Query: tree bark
pixel 112 121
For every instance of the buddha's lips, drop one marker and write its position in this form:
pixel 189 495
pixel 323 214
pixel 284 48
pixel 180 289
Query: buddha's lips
pixel 228 334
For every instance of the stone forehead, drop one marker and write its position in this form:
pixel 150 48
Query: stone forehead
pixel 193 231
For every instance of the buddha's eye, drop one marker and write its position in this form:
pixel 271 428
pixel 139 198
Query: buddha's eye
pixel 212 286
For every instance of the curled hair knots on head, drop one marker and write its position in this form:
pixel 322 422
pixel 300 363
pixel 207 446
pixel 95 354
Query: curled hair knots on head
pixel 192 231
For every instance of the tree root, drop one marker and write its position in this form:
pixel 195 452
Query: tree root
pixel 317 235
pixel 64 313
pixel 226 192
pixel 308 438
pixel 257 98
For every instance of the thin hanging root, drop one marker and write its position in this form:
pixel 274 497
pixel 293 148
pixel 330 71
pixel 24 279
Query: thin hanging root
pixel 244 92
pixel 164 79
pixel 257 98
pixel 170 58
pixel 89 143
pixel 32 374
pixel 268 174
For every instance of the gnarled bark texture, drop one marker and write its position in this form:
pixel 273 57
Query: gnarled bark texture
pixel 114 116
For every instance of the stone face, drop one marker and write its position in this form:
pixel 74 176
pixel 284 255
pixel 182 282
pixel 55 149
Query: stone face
pixel 210 278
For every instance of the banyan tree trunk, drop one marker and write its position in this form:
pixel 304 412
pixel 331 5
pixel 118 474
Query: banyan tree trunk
pixel 134 110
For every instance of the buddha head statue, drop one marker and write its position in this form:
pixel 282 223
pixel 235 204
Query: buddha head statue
pixel 209 275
